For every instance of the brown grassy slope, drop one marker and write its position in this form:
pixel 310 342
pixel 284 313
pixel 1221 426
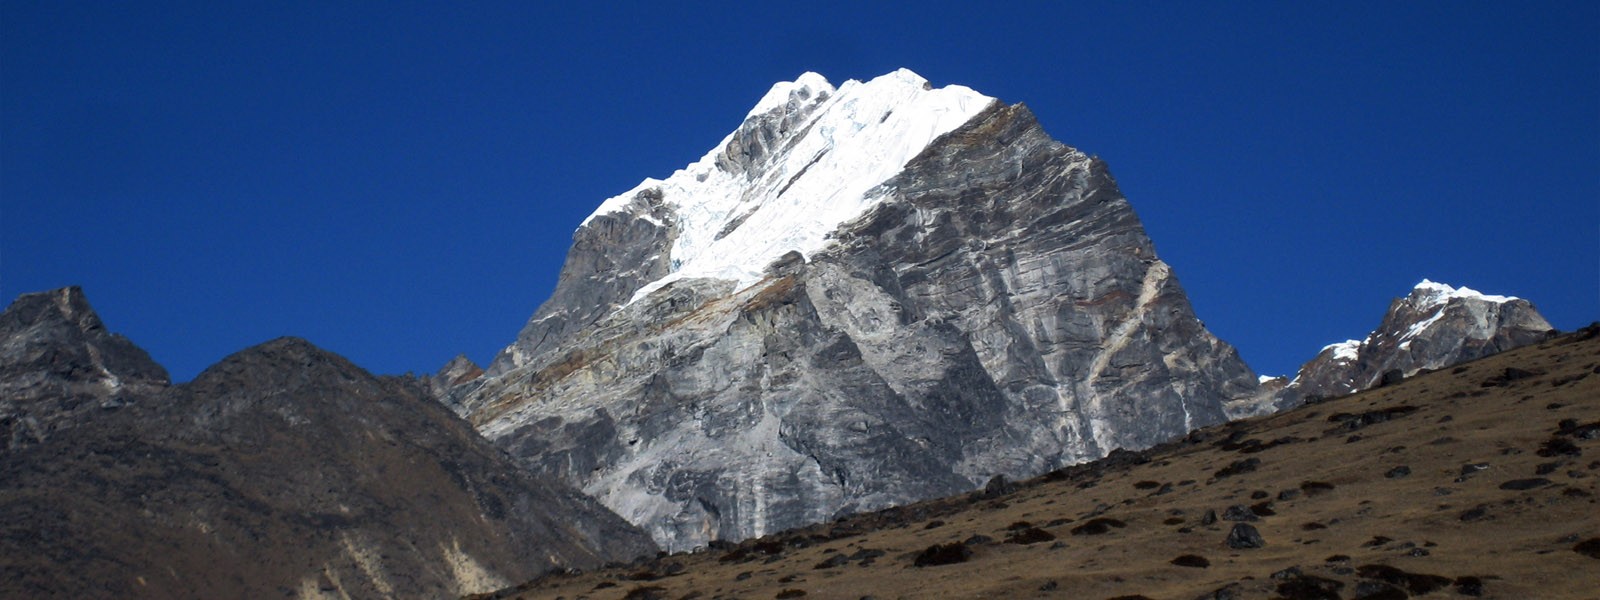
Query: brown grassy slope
pixel 1335 507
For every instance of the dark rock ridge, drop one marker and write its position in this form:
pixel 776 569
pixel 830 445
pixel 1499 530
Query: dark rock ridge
pixel 995 309
pixel 59 366
pixel 282 471
pixel 1435 326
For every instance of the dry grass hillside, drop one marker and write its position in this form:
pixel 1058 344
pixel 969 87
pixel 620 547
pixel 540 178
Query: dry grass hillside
pixel 1477 481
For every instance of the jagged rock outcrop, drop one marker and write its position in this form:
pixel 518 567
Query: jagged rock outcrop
pixel 458 371
pixel 864 296
pixel 59 365
pixel 282 471
pixel 1433 327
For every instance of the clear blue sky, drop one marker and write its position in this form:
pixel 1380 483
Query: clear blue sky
pixel 398 182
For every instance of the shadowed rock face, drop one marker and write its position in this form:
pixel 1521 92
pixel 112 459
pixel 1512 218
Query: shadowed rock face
pixel 59 366
pixel 1433 327
pixel 999 311
pixel 284 471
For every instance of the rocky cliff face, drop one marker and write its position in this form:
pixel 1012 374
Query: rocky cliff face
pixel 283 471
pixel 1433 327
pixel 805 324
pixel 59 365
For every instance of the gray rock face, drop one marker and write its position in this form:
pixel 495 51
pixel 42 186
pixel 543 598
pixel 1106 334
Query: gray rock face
pixel 460 370
pixel 282 471
pixel 59 365
pixel 997 309
pixel 1434 327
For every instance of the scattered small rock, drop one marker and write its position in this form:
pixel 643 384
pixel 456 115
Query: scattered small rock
pixel 1377 540
pixel 1398 472
pixel 647 592
pixel 1312 488
pixel 1352 422
pixel 1505 378
pixel 1468 585
pixel 791 593
pixel 1244 537
pixel 1239 513
pixel 1029 535
pixel 1475 513
pixel 1191 560
pixel 1559 446
pixel 1377 590
pixel 1288 494
pixel 1097 526
pixel 1237 467
pixel 1470 469
pixel 1287 574
pixel 1415 583
pixel 1525 484
pixel 998 486
pixel 1227 592
pixel 837 560
pixel 933 524
pixel 1589 548
pixel 1049 586
pixel 943 554
pixel 978 539
pixel 1209 518
pixel 1310 587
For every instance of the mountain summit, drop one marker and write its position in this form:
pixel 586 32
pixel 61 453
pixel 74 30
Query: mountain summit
pixel 59 365
pixel 1433 327
pixel 865 295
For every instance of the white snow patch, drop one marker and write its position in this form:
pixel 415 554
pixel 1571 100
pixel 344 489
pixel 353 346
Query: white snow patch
pixel 1345 350
pixel 1265 378
pixel 1431 293
pixel 856 138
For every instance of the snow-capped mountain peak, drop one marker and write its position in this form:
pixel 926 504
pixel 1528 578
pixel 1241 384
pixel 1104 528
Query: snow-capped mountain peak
pixel 1435 326
pixel 802 163
pixel 1432 293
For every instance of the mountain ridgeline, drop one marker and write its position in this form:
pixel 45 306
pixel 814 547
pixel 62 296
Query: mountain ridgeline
pixel 282 471
pixel 865 296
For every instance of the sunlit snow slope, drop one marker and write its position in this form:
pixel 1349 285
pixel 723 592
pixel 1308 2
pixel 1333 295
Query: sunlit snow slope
pixel 743 205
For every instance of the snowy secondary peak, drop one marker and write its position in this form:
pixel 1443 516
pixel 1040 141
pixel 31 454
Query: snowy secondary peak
pixel 802 163
pixel 1345 350
pixel 1431 293
pixel 809 84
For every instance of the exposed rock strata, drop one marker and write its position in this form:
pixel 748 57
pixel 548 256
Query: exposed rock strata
pixel 997 310
pixel 59 365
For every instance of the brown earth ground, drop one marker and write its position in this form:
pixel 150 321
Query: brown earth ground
pixel 1497 499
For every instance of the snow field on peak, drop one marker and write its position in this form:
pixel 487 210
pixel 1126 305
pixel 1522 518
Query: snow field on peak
pixel 1433 292
pixel 1345 350
pixel 856 137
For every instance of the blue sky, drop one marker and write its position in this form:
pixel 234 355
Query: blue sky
pixel 398 182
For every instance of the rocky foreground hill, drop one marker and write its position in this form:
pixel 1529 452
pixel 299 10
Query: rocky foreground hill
pixel 1478 481
pixel 282 471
